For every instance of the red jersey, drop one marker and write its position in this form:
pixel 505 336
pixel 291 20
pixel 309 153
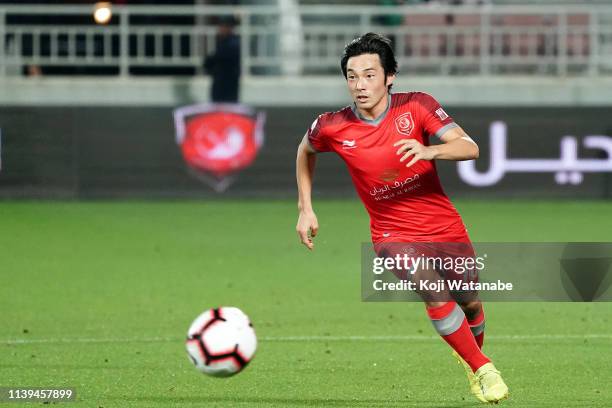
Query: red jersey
pixel 405 204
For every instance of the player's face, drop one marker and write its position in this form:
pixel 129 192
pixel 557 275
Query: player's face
pixel 366 81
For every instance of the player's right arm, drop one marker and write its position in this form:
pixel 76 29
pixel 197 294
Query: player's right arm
pixel 307 224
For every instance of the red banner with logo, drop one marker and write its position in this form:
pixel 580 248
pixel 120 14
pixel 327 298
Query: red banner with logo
pixel 218 141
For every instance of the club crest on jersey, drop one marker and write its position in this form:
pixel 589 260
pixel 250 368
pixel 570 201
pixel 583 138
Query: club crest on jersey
pixel 404 124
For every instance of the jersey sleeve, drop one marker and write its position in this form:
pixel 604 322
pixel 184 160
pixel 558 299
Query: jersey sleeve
pixel 434 119
pixel 317 138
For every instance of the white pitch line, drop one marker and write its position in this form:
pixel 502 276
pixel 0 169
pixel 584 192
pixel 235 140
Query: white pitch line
pixel 514 337
pixel 518 337
pixel 89 340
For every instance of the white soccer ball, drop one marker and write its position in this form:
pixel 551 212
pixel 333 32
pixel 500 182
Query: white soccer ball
pixel 221 341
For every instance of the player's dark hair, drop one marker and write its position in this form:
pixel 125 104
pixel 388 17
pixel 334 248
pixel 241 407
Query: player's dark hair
pixel 371 43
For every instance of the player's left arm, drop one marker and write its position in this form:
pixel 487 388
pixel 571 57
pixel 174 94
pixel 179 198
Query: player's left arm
pixel 456 145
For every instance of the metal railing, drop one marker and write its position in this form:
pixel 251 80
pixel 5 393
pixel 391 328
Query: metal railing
pixel 167 40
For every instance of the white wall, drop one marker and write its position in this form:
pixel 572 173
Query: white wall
pixel 304 91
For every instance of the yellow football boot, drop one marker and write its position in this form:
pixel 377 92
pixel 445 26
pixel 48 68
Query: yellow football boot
pixel 492 385
pixel 472 380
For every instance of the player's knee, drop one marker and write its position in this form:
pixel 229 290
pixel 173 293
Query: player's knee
pixel 471 309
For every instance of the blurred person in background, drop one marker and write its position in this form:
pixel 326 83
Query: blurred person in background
pixel 391 20
pixel 224 64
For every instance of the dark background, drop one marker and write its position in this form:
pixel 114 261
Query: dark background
pixel 105 152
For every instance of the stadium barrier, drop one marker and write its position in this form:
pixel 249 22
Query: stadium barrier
pixel 173 40
pixel 105 152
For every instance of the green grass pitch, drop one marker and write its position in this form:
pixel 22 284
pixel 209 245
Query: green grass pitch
pixel 98 296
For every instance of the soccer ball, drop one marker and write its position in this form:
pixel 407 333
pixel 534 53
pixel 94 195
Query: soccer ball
pixel 221 341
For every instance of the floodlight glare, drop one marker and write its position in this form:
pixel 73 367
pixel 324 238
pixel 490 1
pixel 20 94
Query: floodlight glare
pixel 102 12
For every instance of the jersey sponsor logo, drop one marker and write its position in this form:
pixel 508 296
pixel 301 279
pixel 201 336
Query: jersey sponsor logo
pixel 218 141
pixel 441 114
pixel 349 144
pixel 404 123
pixel 389 175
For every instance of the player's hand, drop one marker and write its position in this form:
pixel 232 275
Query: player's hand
pixel 307 228
pixel 411 147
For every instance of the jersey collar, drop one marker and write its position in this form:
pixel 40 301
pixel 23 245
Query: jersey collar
pixel 376 121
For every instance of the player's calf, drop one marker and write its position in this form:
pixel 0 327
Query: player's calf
pixel 474 313
pixel 450 322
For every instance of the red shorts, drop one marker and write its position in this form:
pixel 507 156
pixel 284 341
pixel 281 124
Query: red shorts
pixel 451 260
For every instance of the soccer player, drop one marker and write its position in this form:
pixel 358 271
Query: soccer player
pixel 384 140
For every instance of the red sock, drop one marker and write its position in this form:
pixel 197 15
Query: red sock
pixel 450 322
pixel 477 327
